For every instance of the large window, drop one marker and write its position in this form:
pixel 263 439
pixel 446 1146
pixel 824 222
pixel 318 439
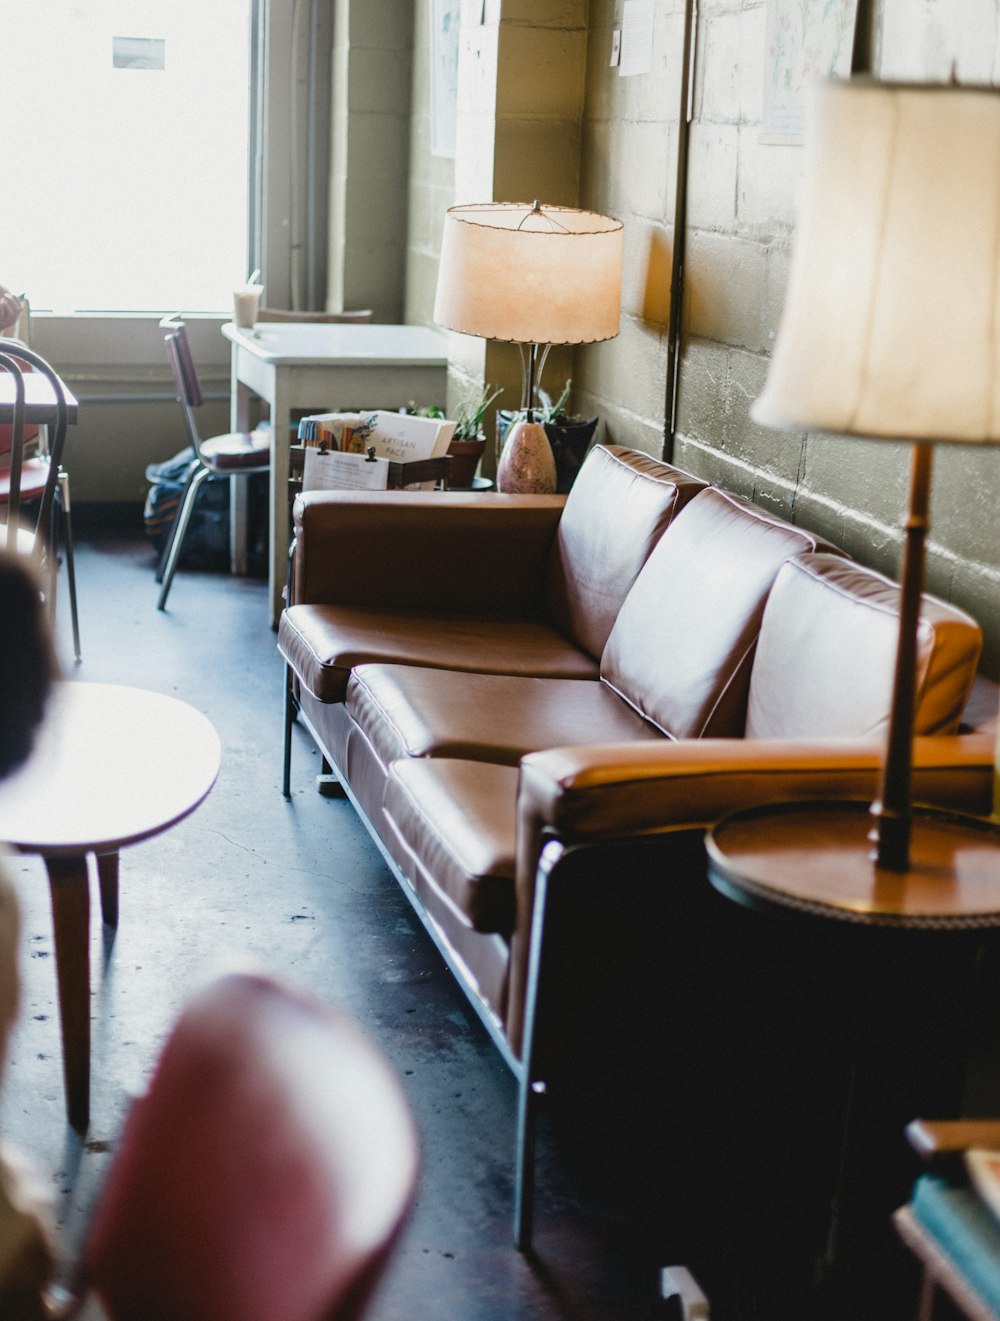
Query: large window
pixel 126 152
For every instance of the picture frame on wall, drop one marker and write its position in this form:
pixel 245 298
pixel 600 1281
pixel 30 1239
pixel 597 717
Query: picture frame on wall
pixel 805 40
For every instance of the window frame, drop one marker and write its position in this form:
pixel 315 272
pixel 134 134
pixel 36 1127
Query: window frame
pixel 281 34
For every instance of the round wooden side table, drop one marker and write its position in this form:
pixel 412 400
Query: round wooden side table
pixel 815 858
pixel 112 766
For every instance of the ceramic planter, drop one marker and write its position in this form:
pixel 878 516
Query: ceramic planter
pixel 465 456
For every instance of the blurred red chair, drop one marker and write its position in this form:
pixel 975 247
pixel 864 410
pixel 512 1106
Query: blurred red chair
pixel 266 1173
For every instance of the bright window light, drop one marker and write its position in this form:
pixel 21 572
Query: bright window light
pixel 126 156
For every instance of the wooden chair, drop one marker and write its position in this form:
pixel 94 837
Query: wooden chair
pixel 265 1174
pixel 236 454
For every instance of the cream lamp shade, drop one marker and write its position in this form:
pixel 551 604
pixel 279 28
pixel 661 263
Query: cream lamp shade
pixel 530 274
pixel 890 321
pixel 889 328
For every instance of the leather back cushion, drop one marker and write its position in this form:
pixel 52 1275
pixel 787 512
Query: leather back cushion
pixel 681 649
pixel 620 504
pixel 826 655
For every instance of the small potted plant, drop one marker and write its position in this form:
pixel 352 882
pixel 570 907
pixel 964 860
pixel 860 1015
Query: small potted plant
pixel 469 440
pixel 569 436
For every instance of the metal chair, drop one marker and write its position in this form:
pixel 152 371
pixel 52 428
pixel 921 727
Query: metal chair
pixel 37 481
pixel 266 1173
pixel 34 476
pixel 236 454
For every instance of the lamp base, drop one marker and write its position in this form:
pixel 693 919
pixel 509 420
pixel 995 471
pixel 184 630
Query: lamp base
pixel 527 465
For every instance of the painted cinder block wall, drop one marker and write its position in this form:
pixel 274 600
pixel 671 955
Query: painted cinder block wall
pixel 741 215
pixel 544 113
pixel 369 155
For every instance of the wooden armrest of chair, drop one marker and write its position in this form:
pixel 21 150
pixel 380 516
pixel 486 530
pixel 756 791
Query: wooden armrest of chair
pixel 932 1139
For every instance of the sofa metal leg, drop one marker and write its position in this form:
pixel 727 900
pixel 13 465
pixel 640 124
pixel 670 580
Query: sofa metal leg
pixel 531 1090
pixel 289 712
pixel 529 1096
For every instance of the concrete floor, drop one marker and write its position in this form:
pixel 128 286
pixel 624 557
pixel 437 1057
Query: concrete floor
pixel 300 889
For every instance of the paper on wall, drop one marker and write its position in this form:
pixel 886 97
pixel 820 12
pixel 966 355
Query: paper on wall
pixel 636 54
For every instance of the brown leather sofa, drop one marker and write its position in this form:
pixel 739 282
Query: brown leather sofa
pixel 519 691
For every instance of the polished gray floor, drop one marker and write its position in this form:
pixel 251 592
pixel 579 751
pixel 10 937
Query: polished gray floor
pixel 299 889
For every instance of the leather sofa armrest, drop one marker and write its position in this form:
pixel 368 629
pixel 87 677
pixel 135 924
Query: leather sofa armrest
pixel 612 789
pixel 589 794
pixel 451 551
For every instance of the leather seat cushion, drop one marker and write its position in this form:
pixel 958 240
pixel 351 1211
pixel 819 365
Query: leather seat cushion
pixel 617 510
pixel 681 649
pixel 405 711
pixel 458 819
pixel 237 450
pixel 826 655
pixel 324 643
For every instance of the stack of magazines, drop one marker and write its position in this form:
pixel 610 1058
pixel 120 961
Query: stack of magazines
pixel 354 450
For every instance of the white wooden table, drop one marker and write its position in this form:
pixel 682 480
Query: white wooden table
pixel 325 367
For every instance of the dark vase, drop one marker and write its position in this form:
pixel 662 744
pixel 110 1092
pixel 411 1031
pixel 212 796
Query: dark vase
pixel 570 441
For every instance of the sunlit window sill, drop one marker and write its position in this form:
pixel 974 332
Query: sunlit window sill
pixel 103 341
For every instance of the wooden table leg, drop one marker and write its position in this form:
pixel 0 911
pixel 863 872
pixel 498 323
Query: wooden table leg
pixel 71 922
pixel 107 875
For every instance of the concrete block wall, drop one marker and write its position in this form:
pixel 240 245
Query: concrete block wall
pixel 629 168
pixel 370 142
pixel 542 113
pixel 521 87
pixel 741 213
pixel 431 181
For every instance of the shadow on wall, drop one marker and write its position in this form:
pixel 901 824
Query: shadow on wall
pixel 656 292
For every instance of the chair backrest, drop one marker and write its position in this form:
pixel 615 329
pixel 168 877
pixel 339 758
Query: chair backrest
pixel 18 361
pixel 265 1174
pixel 281 314
pixel 189 394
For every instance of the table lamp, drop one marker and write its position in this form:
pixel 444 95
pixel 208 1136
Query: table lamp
pixel 889 329
pixel 532 275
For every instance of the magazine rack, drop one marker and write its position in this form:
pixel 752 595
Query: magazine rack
pixel 401 474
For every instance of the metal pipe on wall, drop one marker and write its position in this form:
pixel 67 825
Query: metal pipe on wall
pixel 685 116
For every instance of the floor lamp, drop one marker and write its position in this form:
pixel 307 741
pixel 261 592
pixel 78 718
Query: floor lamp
pixel 890 326
pixel 889 332
pixel 532 275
